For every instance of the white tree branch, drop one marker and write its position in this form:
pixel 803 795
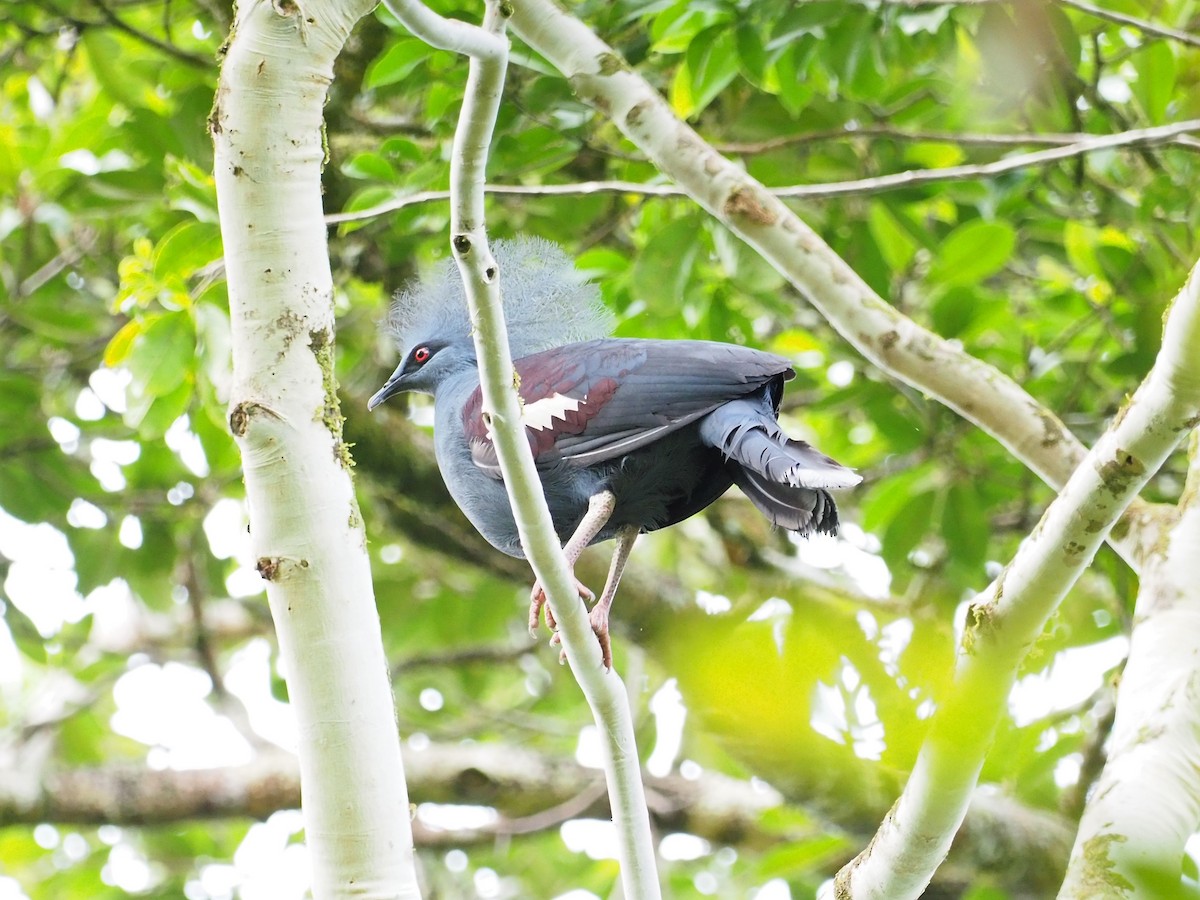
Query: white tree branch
pixel 306 529
pixel 1005 620
pixel 604 691
pixel 1146 803
pixel 1007 617
pixel 892 341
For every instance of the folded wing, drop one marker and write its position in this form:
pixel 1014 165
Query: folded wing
pixel 596 401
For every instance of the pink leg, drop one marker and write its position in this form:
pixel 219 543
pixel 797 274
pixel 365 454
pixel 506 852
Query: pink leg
pixel 599 614
pixel 600 510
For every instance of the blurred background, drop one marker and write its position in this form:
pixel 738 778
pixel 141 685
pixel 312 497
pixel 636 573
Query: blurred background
pixel 780 687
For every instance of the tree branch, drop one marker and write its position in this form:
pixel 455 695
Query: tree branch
pixel 1142 25
pixel 884 131
pixel 1141 137
pixel 900 347
pixel 1005 620
pixel 530 791
pixel 1146 803
pixel 604 691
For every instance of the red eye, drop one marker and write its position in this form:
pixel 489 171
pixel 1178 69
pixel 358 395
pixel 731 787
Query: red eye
pixel 421 355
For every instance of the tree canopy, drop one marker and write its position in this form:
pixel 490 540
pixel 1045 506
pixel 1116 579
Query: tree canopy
pixel 1013 176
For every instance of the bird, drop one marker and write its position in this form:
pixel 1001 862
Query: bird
pixel 628 435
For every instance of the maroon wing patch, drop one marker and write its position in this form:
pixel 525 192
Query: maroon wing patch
pixel 557 399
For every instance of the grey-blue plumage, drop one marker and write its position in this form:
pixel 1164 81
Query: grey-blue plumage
pixel 628 435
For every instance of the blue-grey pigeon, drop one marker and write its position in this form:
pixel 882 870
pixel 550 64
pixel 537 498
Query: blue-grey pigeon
pixel 628 435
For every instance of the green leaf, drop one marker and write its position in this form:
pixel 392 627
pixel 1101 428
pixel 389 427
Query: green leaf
pixel 82 738
pixel 965 527
pixel 29 488
pixel 186 248
pixel 751 52
pixel 370 167
pixel 954 310
pixel 162 355
pixel 895 244
pixel 805 19
pixel 98 557
pixel 24 633
pixel 888 498
pixel 934 154
pixel 972 252
pixel 675 30
pixel 910 524
pixel 664 266
pixel 795 93
pixel 152 419
pixel 712 62
pixel 1155 83
pixel 121 343
pixel 397 63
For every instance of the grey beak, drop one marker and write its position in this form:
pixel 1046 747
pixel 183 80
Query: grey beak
pixel 393 386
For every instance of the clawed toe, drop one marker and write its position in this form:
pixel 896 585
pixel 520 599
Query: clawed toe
pixel 537 603
pixel 598 618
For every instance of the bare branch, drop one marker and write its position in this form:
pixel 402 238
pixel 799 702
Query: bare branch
pixel 893 133
pixel 884 335
pixel 481 278
pixel 446 34
pixel 1142 137
pixel 1142 25
pixel 530 792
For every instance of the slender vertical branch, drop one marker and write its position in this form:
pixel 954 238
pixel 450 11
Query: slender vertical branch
pixel 488 49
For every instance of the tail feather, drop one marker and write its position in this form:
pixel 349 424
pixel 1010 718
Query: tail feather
pixel 799 509
pixel 788 480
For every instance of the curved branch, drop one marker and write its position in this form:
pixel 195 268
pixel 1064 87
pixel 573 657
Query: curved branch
pixel 1005 620
pixel 1145 805
pixel 881 333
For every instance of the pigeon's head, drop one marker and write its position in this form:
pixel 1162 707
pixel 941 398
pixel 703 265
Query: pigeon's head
pixel 426 365
pixel 547 303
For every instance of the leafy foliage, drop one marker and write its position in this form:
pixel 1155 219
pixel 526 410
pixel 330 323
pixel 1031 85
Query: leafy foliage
pixel 115 452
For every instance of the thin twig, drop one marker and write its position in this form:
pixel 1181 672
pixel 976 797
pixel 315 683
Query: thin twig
pixel 891 132
pixel 1141 137
pixel 555 815
pixel 1142 25
pixel 192 59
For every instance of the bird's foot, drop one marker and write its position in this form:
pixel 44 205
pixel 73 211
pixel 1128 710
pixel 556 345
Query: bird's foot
pixel 537 603
pixel 598 618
